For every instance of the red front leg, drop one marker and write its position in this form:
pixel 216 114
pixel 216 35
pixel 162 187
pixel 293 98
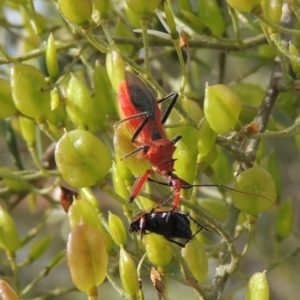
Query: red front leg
pixel 138 185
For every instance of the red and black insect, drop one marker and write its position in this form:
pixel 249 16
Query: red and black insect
pixel 140 109
pixel 171 224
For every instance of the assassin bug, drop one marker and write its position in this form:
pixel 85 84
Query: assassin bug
pixel 140 109
pixel 171 224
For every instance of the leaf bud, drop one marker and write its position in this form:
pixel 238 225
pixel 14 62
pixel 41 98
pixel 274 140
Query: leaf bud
pixel 115 67
pixel 284 220
pixel 171 22
pixel 28 130
pixel 211 16
pixel 39 248
pixel 117 229
pixel 51 57
pixel 295 64
pixel 128 273
pixel 9 238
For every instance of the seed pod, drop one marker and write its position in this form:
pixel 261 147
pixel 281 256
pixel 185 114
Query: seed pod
pixel 103 6
pixel 258 181
pixel 123 170
pixel 194 20
pixel 295 63
pixel 257 287
pixel 105 99
pixel 6 292
pixel 83 210
pixel 206 139
pixel 9 238
pixel 196 258
pixel 119 183
pixel 170 20
pixel 143 7
pixel 115 67
pixel 87 194
pixel 87 257
pixel 211 16
pixel 26 84
pixel 243 5
pixel 79 104
pixel 117 229
pixel 192 108
pixel 185 5
pixel 284 220
pixel 28 128
pixel 185 164
pixel 206 161
pixel 81 158
pixel 222 107
pixel 58 114
pixel 128 273
pixel 39 248
pixel 123 146
pixel 158 249
pixel 272 9
pixel 132 17
pixel 51 57
pixel 222 167
pixel 7 105
pixel 76 11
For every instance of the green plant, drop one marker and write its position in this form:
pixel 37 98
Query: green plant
pixel 237 80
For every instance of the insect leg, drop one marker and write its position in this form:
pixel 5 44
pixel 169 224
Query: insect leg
pixel 138 185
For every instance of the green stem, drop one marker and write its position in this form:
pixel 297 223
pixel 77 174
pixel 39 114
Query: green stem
pixel 294 6
pixel 290 131
pixel 144 24
pixel 249 237
pixel 112 281
pixel 50 266
pixel 106 30
pixel 45 128
pixel 36 160
pixel 88 34
pixel 14 266
pixel 260 15
pixel 107 190
pixel 182 66
pixel 235 25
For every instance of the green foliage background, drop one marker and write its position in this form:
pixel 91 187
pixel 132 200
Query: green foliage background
pixel 246 51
